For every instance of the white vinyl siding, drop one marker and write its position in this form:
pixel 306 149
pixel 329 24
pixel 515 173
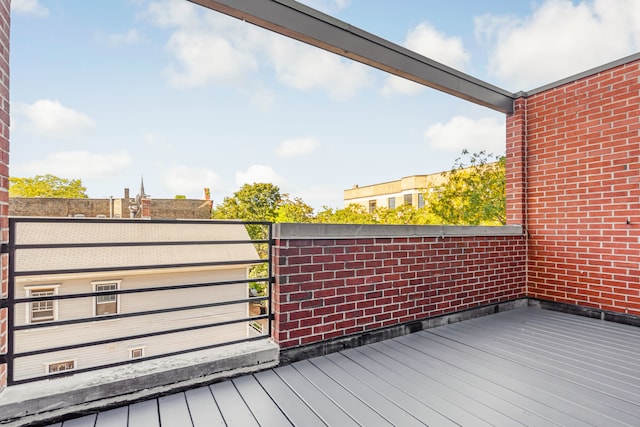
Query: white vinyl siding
pixel 75 308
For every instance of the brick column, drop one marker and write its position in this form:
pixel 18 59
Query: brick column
pixel 145 208
pixel 5 22
pixel 516 164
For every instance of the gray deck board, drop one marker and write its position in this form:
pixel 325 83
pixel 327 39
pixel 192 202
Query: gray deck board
pixel 86 421
pixel 440 396
pixel 326 408
pixel 174 411
pixel 203 408
pixel 360 412
pixel 232 405
pixel 118 417
pixel 289 403
pixel 527 366
pixel 615 382
pixel 518 378
pixel 372 398
pixel 260 403
pixel 485 392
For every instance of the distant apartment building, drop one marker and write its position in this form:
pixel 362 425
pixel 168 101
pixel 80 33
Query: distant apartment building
pixel 406 191
pixel 70 263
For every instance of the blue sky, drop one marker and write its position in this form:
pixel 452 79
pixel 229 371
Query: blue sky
pixel 109 91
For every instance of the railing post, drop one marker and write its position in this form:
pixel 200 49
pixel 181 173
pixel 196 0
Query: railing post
pixel 5 22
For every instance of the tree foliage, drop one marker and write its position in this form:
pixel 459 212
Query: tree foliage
pixel 405 214
pixel 47 186
pixel 294 210
pixel 352 214
pixel 473 192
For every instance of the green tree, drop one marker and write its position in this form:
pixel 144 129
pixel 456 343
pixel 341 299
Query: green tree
pixel 254 202
pixel 405 214
pixel 47 186
pixel 352 214
pixel 294 210
pixel 473 192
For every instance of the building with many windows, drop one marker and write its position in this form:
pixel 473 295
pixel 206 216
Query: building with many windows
pixel 406 191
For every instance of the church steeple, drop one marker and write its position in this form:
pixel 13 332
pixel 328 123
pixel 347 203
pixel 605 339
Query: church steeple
pixel 142 193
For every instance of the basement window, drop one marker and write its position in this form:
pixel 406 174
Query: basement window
pixel 67 365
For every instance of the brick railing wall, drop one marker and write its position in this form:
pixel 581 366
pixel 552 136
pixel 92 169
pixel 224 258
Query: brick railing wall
pixel 5 7
pixel 583 157
pixel 336 280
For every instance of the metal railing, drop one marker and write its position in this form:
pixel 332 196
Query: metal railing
pixel 58 253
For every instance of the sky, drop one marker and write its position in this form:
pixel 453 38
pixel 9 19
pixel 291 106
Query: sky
pixel 110 92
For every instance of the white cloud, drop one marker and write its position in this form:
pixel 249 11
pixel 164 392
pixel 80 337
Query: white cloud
pixel 426 40
pixel 210 48
pixel 262 98
pixel 173 13
pixel 130 37
pixel 207 48
pixel 50 118
pixel 157 141
pixel 75 165
pixel 306 68
pixel 465 133
pixel 29 7
pixel 185 179
pixel 204 57
pixel 258 174
pixel 296 147
pixel 559 39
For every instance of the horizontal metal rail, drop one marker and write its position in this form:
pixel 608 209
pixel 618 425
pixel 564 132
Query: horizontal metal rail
pixel 128 362
pixel 139 336
pixel 137 267
pixel 128 315
pixel 141 290
pixel 136 244
pixel 208 288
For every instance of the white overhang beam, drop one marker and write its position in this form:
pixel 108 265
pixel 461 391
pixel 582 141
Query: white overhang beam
pixel 308 25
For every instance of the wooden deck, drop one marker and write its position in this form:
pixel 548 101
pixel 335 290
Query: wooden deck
pixel 523 367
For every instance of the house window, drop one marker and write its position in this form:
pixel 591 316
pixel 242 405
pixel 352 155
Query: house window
pixel 391 202
pixel 420 200
pixel 42 311
pixel 372 206
pixel 136 353
pixel 408 199
pixel 67 365
pixel 106 304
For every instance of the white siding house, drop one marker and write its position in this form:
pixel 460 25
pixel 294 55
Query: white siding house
pixel 49 271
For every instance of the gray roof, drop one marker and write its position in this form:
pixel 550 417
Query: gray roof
pixel 110 257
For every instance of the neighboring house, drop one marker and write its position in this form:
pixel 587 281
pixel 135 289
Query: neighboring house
pixel 406 191
pixel 53 275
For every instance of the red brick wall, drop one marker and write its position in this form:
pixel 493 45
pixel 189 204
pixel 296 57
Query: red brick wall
pixel 583 178
pixel 330 288
pixel 5 7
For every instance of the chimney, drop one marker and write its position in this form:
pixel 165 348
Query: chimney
pixel 145 207
pixel 126 194
pixel 207 194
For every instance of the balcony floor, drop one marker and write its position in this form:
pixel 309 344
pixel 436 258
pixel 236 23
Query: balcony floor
pixel 526 366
